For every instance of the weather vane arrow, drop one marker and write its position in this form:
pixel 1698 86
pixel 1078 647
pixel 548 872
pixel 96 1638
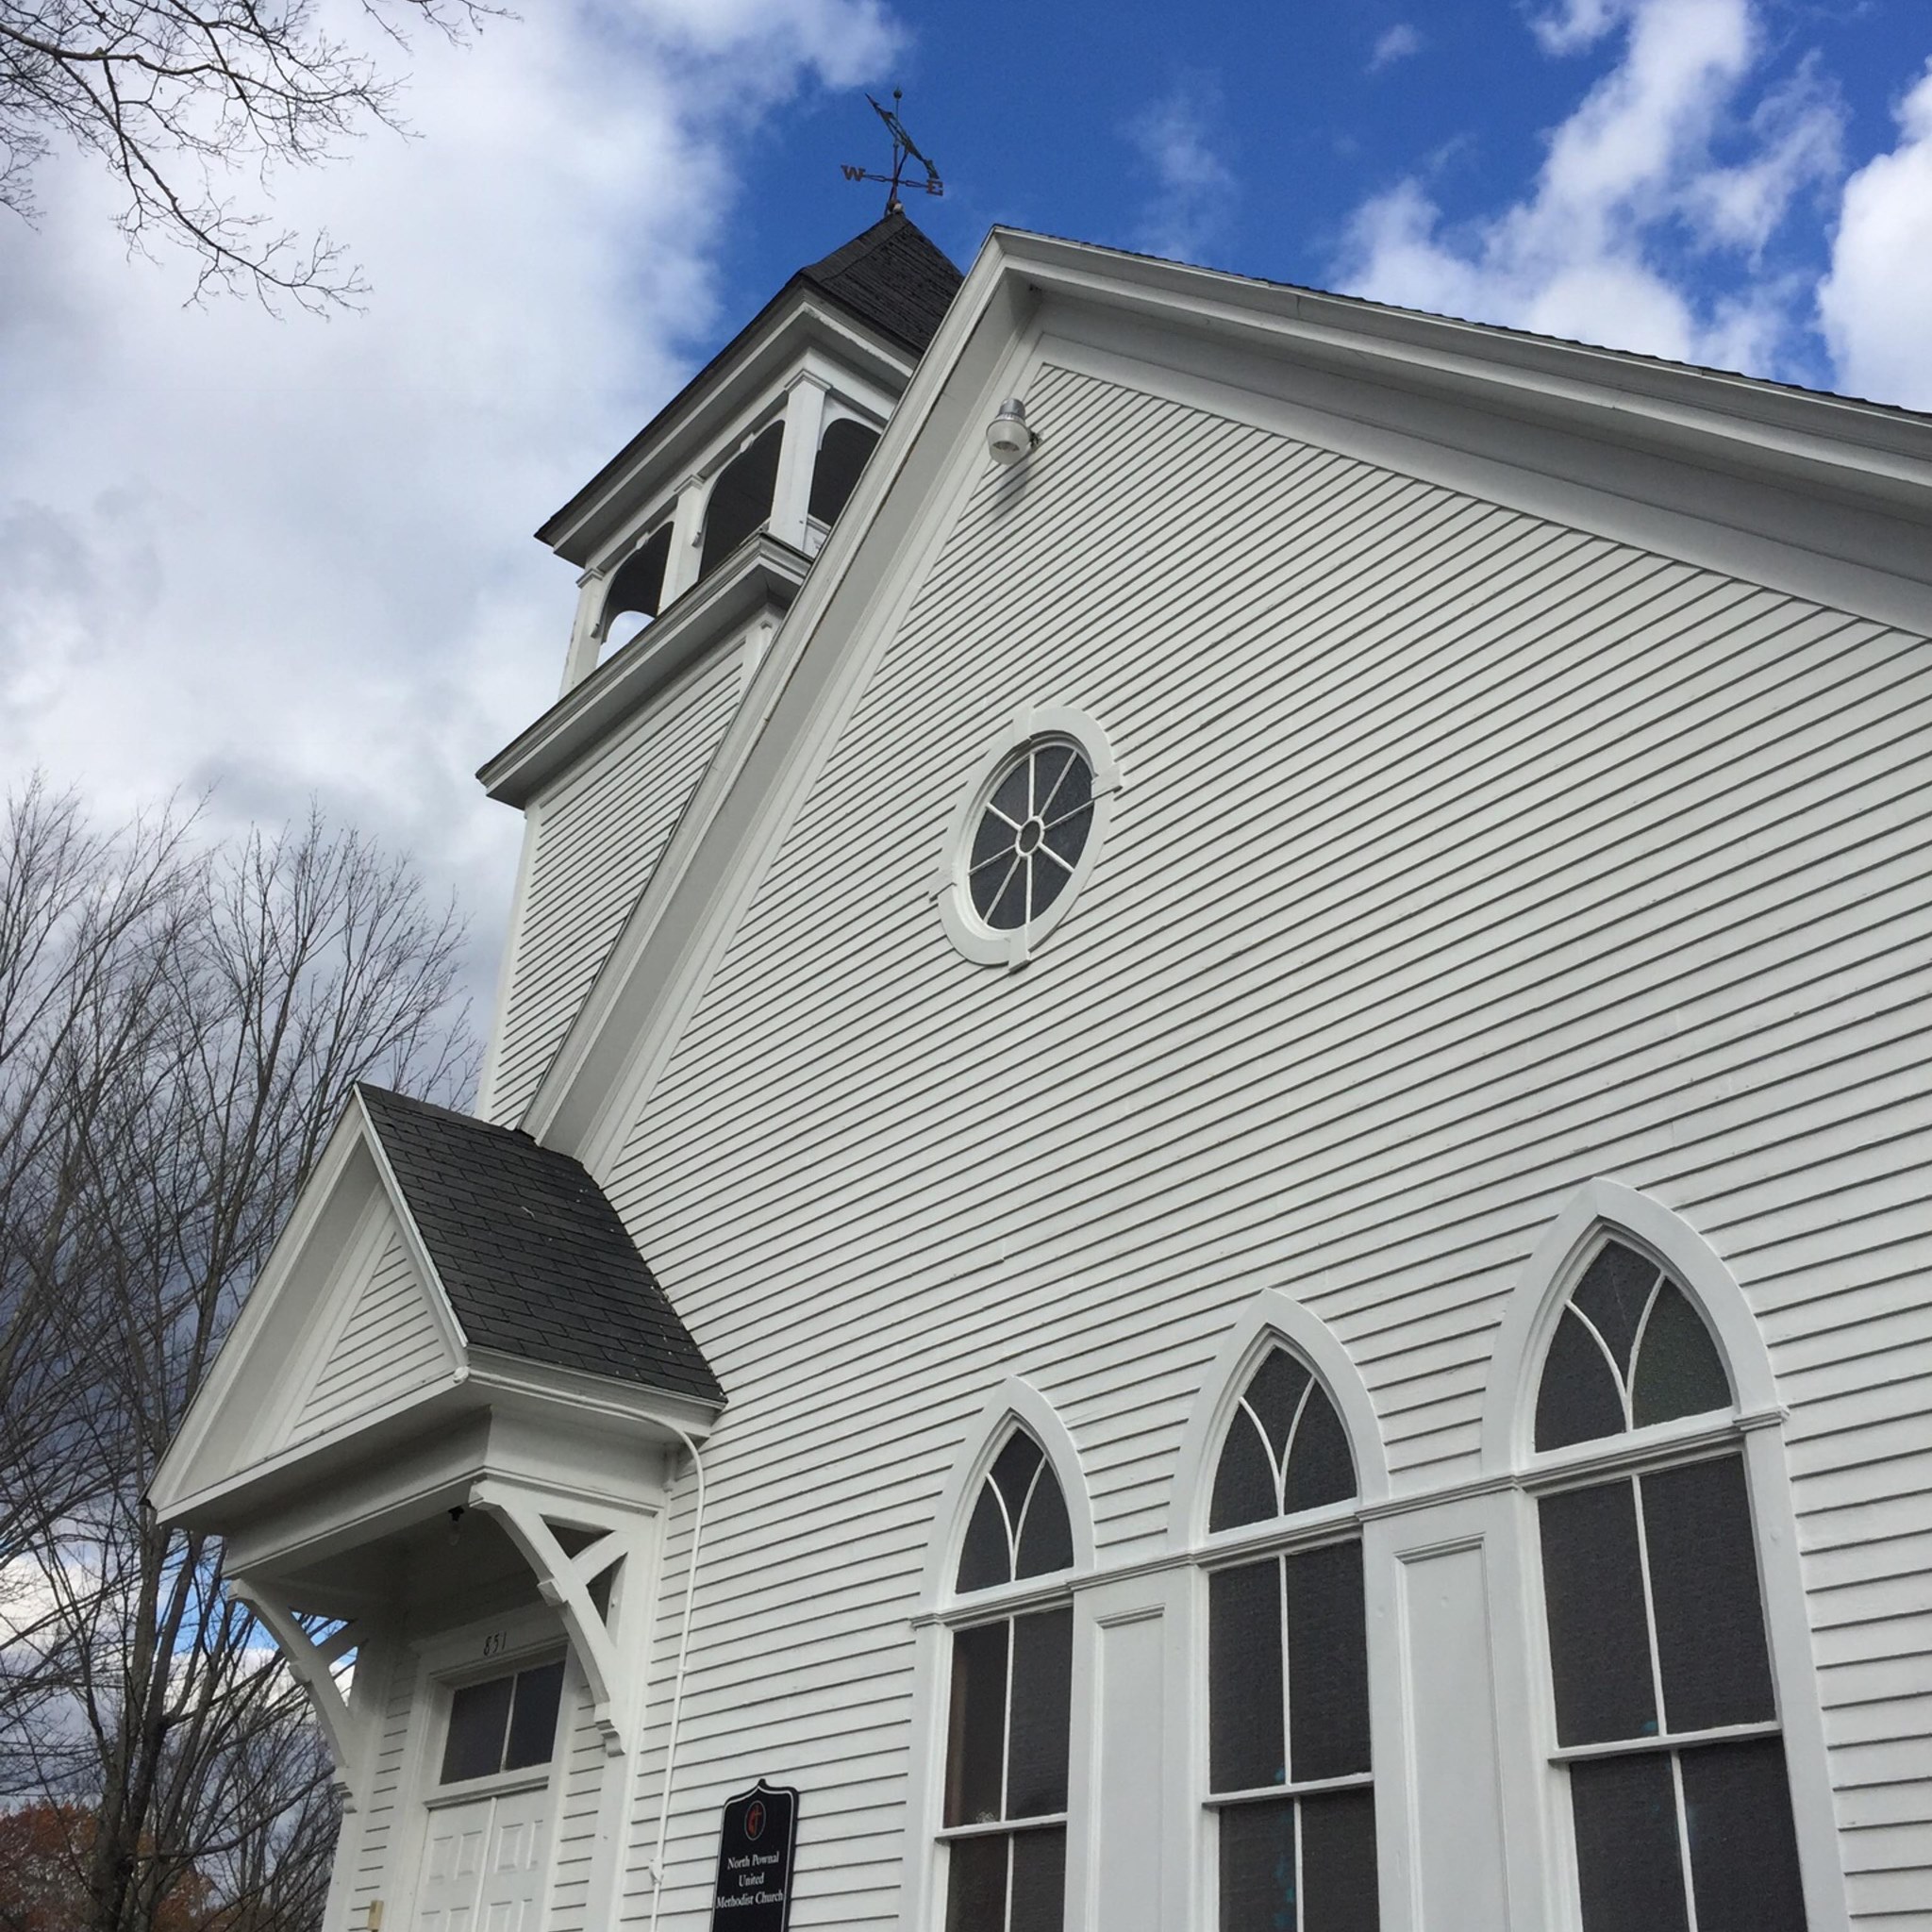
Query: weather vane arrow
pixel 904 149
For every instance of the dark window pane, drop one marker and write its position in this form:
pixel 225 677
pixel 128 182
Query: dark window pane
pixel 1073 793
pixel 1743 1851
pixel 1614 1293
pixel 1046 1538
pixel 1014 795
pixel 990 882
pixel 1327 1665
pixel 1678 1372
pixel 1274 1394
pixel 1043 1694
pixel 1040 1880
pixel 1628 1868
pixel 993 841
pixel 1320 1467
pixel 976 1885
pixel 1009 910
pixel 1711 1639
pixel 1244 1734
pixel 740 499
pixel 1593 1591
pixel 841 455
pixel 1244 1478
pixel 1579 1399
pixel 1339 1892
pixel 639 584
pixel 533 1716
pixel 986 1555
pixel 976 1738
pixel 1067 837
pixel 1258 1888
pixel 1050 764
pixel 1049 880
pixel 478 1715
pixel 1014 1469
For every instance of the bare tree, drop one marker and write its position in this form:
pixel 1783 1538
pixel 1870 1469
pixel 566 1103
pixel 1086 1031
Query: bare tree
pixel 235 1010
pixel 177 96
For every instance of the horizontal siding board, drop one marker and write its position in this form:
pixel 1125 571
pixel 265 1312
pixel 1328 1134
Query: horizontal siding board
pixel 390 1346
pixel 593 845
pixel 1551 859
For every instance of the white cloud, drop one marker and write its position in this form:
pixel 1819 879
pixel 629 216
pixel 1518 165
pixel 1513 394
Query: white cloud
pixel 1634 171
pixel 1875 304
pixel 1193 188
pixel 292 556
pixel 1400 42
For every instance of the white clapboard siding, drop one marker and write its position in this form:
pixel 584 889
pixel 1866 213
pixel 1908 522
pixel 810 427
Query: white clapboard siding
pixel 593 842
pixel 579 1794
pixel 390 1346
pixel 1462 857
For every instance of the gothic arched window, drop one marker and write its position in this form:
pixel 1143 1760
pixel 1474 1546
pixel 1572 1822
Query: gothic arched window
pixel 1288 1673
pixel 1666 1712
pixel 1006 1737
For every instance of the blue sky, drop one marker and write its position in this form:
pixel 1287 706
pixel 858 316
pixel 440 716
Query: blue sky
pixel 269 560
pixel 1255 138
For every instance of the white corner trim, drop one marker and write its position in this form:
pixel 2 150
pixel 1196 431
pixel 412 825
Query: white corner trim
pixel 970 935
pixel 1273 1316
pixel 1607 1207
pixel 1014 1401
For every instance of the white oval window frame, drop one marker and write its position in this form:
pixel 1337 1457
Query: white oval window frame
pixel 971 936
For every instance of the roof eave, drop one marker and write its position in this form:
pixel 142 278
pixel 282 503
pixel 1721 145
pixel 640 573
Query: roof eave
pixel 800 312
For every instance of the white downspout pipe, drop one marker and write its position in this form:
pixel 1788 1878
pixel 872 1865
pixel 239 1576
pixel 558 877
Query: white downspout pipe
pixel 690 1585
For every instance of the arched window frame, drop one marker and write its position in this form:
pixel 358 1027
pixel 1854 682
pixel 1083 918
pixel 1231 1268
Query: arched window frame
pixel 1609 1210
pixel 1273 1320
pixel 943 1609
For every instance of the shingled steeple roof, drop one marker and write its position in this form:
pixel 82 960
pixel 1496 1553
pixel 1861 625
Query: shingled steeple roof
pixel 892 277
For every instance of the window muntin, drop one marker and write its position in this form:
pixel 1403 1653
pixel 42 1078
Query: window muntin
pixel 1011 1709
pixel 1031 833
pixel 503 1724
pixel 1005 1792
pixel 1290 1775
pixel 1019 1525
pixel 1666 1713
pixel 1629 1349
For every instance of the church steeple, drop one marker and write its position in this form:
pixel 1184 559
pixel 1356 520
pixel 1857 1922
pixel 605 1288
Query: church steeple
pixel 765 441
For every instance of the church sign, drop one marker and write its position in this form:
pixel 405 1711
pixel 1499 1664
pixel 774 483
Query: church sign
pixel 755 1847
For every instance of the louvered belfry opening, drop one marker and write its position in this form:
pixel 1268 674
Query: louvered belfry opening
pixel 1666 1710
pixel 740 499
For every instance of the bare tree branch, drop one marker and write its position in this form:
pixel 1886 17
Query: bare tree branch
pixel 176 98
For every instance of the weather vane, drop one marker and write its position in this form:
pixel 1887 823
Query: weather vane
pixel 904 149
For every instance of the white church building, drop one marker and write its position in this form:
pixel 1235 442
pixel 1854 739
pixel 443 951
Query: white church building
pixel 1200 1200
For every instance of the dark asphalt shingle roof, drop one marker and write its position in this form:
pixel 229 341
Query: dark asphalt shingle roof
pixel 534 1257
pixel 891 276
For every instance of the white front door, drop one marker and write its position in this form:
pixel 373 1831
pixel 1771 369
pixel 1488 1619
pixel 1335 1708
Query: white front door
pixel 484 1871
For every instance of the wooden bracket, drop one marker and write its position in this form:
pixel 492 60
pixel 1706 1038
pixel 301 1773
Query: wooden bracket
pixel 607 1648
pixel 346 1732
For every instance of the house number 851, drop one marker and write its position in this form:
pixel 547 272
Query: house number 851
pixel 492 1645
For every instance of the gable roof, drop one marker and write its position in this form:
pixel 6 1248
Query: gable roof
pixel 533 1258
pixel 1826 497
pixel 892 277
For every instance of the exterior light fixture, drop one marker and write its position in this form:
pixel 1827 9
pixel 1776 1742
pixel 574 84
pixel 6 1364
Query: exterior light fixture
pixel 1008 435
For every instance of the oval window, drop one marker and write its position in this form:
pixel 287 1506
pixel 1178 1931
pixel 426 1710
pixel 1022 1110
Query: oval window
pixel 1031 834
